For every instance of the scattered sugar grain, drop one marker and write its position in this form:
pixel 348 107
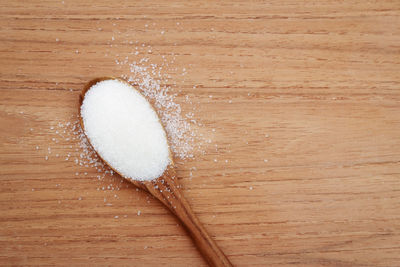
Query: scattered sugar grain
pixel 180 133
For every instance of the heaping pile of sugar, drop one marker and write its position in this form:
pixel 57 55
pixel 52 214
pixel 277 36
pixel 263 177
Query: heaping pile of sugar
pixel 125 130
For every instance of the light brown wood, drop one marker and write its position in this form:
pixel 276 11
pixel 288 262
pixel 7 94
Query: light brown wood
pixel 320 78
pixel 166 189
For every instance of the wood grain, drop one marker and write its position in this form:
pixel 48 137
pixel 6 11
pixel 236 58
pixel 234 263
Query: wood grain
pixel 302 168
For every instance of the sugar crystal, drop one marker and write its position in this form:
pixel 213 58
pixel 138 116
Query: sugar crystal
pixel 125 130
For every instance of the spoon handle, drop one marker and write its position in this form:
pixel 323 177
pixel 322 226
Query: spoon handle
pixel 167 191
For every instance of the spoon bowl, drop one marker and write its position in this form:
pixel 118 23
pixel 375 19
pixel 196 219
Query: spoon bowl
pixel 167 190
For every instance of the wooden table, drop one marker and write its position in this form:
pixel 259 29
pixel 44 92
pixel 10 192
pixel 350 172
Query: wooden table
pixel 302 167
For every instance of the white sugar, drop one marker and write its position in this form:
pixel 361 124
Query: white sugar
pixel 125 130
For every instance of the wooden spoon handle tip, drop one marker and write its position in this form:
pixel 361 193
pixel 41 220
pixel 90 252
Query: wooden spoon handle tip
pixel 167 191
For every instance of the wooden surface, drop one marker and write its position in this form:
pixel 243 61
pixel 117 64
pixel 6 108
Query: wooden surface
pixel 302 168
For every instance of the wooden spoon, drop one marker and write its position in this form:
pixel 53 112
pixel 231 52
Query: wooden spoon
pixel 166 189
